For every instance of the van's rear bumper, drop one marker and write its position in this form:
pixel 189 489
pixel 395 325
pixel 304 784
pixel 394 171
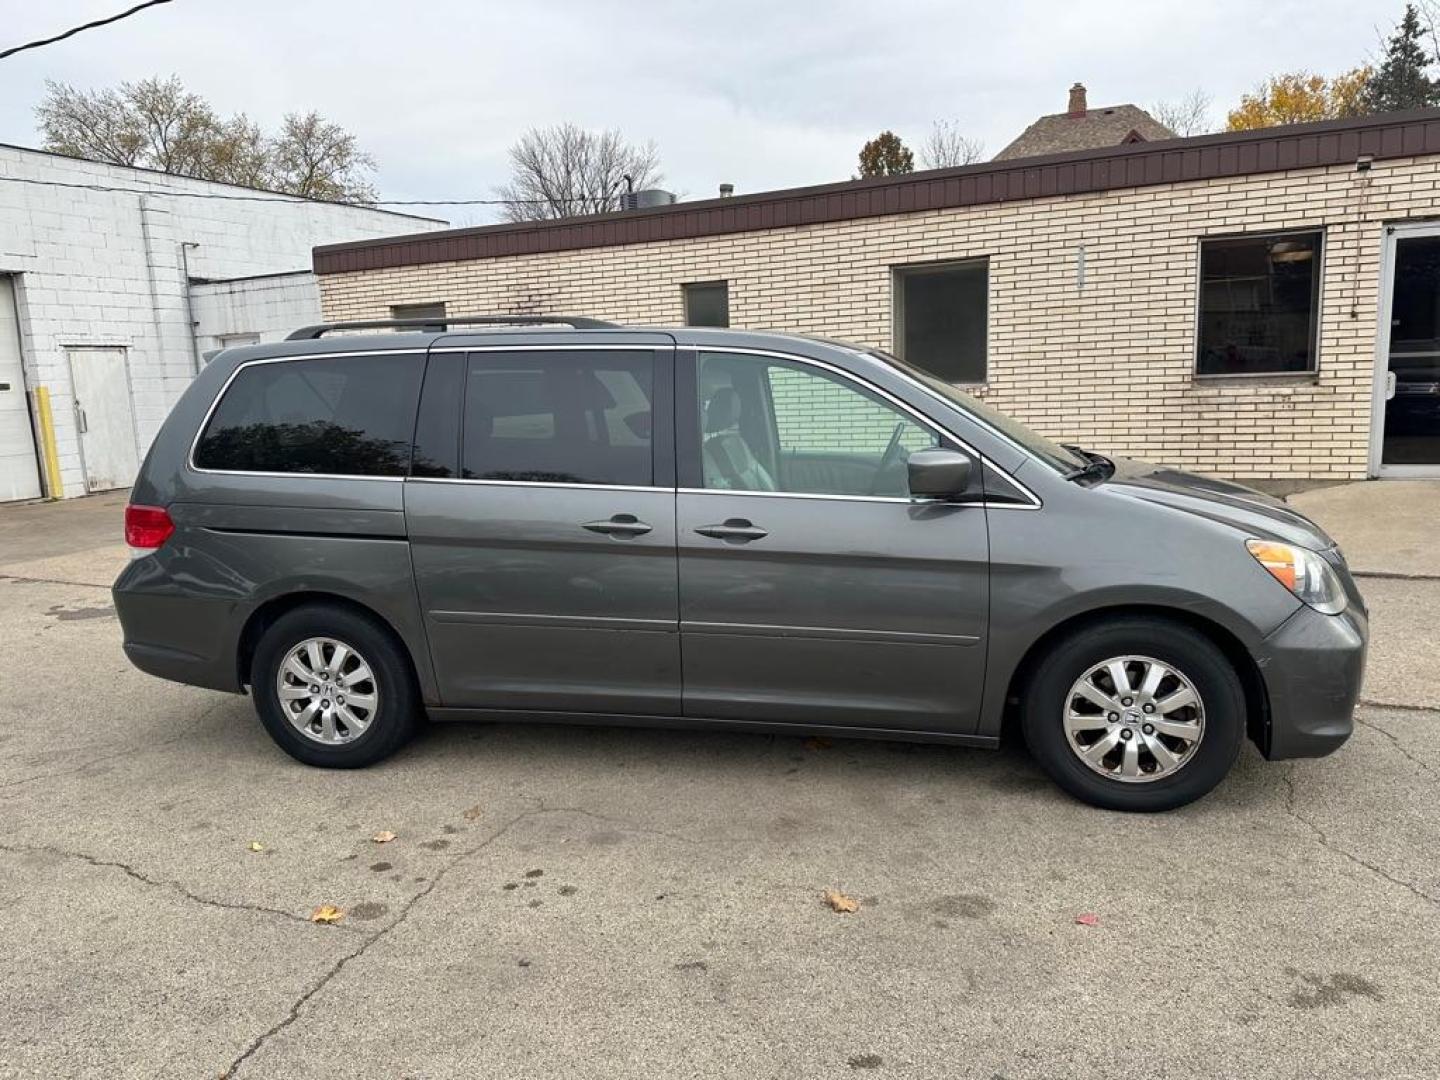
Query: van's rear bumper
pixel 181 638
pixel 1313 666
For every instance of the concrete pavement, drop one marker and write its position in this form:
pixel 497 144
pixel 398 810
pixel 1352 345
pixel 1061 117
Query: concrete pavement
pixel 610 903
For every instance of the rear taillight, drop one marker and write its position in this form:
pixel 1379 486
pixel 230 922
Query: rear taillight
pixel 147 527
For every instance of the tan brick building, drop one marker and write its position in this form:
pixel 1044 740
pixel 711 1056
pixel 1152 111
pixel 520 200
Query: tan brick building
pixel 1258 305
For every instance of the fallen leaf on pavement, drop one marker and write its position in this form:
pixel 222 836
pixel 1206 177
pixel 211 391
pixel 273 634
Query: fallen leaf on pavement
pixel 838 901
pixel 383 837
pixel 256 845
pixel 473 813
pixel 327 913
pixel 816 742
pixel 1088 920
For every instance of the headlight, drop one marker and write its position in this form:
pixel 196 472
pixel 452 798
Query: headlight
pixel 1303 572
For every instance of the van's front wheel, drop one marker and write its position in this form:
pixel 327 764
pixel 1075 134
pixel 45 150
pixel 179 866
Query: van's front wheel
pixel 332 688
pixel 1135 713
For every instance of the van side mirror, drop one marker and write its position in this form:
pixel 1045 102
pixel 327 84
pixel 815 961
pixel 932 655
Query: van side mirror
pixel 938 473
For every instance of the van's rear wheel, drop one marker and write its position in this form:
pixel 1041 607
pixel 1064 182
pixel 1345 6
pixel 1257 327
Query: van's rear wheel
pixel 333 688
pixel 1135 713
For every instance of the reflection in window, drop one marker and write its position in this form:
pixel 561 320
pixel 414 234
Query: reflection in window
pixel 940 318
pixel 580 418
pixel 707 303
pixel 421 311
pixel 773 425
pixel 345 416
pixel 1259 304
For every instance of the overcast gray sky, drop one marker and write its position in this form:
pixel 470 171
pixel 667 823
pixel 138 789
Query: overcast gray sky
pixel 762 94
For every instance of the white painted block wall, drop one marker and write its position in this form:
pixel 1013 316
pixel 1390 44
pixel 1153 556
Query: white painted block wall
pixel 269 307
pixel 97 267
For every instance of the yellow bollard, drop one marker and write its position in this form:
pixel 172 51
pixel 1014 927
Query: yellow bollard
pixel 53 488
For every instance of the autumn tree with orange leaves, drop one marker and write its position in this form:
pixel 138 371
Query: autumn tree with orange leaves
pixel 1300 97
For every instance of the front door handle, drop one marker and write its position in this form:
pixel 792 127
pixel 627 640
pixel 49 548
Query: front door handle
pixel 618 525
pixel 733 531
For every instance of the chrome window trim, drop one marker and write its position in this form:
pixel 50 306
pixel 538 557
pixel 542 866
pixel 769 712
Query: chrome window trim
pixel 690 491
pixel 535 484
pixel 901 499
pixel 903 406
pixel 225 388
pixel 636 347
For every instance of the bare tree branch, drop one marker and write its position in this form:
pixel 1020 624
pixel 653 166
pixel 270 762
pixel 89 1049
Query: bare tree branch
pixel 946 147
pixel 1190 115
pixel 565 171
pixel 156 123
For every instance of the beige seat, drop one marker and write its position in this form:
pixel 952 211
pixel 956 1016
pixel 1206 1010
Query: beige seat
pixel 727 460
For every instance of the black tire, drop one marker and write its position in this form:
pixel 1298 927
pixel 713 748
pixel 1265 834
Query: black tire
pixel 1045 701
pixel 397 712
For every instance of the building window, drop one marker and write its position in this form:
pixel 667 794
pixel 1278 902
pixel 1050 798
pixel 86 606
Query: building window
pixel 1259 304
pixel 940 318
pixel 707 303
pixel 421 311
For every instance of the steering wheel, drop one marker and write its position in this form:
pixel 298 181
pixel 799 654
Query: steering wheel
pixel 887 459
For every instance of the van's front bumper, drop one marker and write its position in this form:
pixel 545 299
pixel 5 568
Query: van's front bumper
pixel 1312 666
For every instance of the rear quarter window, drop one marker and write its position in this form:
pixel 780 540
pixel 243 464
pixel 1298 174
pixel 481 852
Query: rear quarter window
pixel 334 415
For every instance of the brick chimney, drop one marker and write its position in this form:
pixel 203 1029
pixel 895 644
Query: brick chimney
pixel 1077 101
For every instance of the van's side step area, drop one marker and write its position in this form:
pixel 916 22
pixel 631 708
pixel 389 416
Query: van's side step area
pixel 693 723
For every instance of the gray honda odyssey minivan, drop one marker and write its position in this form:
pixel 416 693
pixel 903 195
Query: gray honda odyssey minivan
pixel 561 519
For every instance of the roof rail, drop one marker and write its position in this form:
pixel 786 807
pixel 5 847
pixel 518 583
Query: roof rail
pixel 311 333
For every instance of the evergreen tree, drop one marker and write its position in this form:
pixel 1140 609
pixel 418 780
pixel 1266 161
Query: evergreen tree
pixel 1401 81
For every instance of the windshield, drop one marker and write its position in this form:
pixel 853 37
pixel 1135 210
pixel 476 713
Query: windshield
pixel 1052 453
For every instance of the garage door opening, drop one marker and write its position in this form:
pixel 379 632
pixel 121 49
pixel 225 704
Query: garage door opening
pixel 19 468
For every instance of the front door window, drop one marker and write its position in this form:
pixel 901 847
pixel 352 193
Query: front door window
pixel 777 426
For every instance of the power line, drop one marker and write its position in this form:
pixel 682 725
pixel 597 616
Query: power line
pixel 280 196
pixel 77 29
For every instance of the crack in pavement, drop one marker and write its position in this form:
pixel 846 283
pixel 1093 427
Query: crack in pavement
pixel 299 1004
pixel 339 965
pixel 1393 575
pixel 159 883
pixel 51 581
pixel 1395 739
pixel 1288 776
pixel 1371 703
pixel 115 756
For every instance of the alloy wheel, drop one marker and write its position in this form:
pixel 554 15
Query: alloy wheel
pixel 327 691
pixel 1134 719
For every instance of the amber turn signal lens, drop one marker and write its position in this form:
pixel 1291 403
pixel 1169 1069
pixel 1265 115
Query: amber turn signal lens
pixel 1304 572
pixel 1279 559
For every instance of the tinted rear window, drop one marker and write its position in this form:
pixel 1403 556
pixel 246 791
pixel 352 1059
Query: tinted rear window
pixel 344 416
pixel 580 418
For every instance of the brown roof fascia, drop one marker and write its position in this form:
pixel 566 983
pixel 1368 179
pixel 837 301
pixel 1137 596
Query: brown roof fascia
pixel 1162 161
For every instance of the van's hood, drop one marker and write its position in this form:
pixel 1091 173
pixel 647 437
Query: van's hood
pixel 1233 504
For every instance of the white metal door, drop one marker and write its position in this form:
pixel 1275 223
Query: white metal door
pixel 19 469
pixel 102 414
pixel 1405 421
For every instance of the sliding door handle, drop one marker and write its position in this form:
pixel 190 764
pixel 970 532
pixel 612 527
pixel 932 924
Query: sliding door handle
pixel 619 525
pixel 733 531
